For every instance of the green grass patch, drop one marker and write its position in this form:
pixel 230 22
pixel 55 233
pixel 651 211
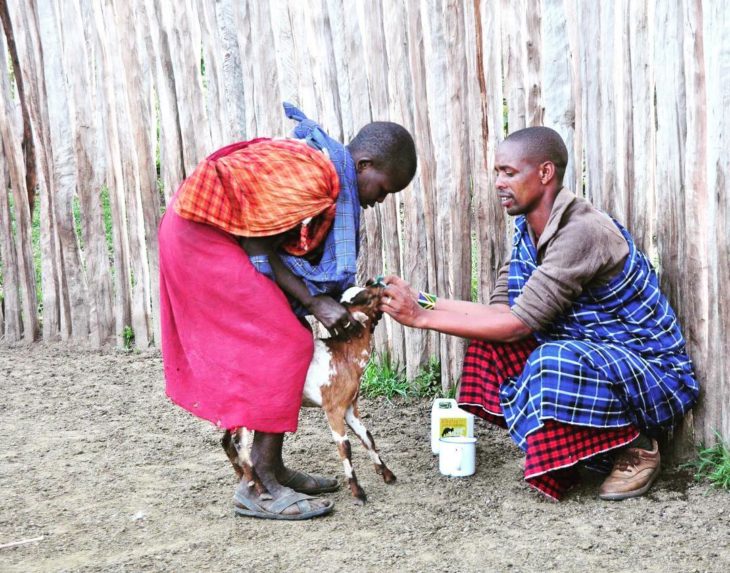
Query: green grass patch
pixel 106 210
pixel 427 382
pixel 128 338
pixel 385 377
pixel 713 464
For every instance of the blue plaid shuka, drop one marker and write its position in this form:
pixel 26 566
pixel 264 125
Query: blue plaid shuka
pixel 336 270
pixel 616 357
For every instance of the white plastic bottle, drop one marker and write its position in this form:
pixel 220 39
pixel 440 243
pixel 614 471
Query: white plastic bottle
pixel 447 419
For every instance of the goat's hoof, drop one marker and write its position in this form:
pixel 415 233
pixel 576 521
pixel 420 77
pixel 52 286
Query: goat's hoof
pixel 360 500
pixel 388 476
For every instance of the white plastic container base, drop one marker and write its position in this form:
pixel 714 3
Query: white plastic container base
pixel 457 456
pixel 449 421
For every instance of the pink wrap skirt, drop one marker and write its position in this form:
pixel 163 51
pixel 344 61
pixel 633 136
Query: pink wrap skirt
pixel 233 351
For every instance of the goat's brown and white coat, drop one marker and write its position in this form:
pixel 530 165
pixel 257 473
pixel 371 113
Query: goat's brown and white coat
pixel 333 384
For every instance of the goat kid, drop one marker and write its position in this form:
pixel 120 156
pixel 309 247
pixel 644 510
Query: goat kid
pixel 333 384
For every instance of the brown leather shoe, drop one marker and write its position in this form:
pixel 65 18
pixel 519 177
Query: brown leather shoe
pixel 633 473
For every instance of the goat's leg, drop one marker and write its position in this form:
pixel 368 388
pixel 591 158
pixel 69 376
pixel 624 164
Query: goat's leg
pixel 337 425
pixel 352 417
pixel 237 447
pixel 232 452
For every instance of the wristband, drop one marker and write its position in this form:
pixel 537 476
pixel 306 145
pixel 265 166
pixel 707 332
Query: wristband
pixel 427 301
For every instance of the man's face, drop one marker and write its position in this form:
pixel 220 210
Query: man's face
pixel 373 185
pixel 518 179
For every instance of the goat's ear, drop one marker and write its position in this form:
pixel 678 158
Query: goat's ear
pixel 361 317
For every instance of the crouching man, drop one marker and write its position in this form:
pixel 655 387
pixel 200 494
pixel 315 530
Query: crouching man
pixel 579 355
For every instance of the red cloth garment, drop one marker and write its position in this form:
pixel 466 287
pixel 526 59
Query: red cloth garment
pixel 234 352
pixel 264 187
pixel 554 449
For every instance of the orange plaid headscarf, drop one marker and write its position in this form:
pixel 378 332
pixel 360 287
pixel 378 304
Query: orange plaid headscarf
pixel 261 188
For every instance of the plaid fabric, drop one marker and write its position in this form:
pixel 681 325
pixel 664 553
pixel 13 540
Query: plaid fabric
pixel 261 188
pixel 554 448
pixel 336 269
pixel 486 366
pixel 616 358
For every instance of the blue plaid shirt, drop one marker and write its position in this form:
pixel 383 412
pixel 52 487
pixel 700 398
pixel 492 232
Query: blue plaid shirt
pixel 336 270
pixel 616 357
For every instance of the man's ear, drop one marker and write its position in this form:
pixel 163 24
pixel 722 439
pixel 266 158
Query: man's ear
pixel 547 172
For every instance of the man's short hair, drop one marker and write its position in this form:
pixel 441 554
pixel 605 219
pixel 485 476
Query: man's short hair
pixel 542 144
pixel 390 147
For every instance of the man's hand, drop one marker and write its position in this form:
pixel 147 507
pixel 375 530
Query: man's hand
pixel 398 282
pixel 334 317
pixel 400 303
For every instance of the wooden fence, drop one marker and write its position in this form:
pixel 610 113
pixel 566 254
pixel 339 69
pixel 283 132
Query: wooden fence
pixel 107 105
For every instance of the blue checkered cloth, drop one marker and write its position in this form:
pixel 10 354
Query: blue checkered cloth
pixel 616 357
pixel 336 269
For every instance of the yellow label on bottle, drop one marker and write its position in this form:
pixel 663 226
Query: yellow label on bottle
pixel 451 427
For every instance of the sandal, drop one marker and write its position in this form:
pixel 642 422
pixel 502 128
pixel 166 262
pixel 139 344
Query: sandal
pixel 298 481
pixel 249 508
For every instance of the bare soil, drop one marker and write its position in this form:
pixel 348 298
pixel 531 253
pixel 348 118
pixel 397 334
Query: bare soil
pixel 115 478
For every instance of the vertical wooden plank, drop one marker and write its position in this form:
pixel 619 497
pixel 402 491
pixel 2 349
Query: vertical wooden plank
pixel 29 54
pixel 176 18
pixel 533 47
pixel 514 62
pixel 172 165
pixel 639 128
pixel 74 305
pixel 371 261
pixel 613 144
pixel 558 81
pixel 27 144
pixel 437 90
pixel 143 201
pixel 11 319
pixel 217 111
pixel 458 193
pixel 233 88
pixel 20 263
pixel 410 237
pixel 572 27
pixel 266 95
pixel 446 78
pixel 337 20
pixel 695 211
pixel 588 36
pixel 241 13
pixel 487 121
pixel 83 93
pixel 426 156
pixel 292 57
pixel 104 37
pixel 715 23
pixel 323 67
pixel 671 136
pixel 378 64
pixel 311 62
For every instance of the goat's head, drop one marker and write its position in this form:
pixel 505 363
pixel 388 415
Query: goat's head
pixel 363 303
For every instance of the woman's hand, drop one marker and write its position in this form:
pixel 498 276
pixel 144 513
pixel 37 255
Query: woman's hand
pixel 400 303
pixel 334 317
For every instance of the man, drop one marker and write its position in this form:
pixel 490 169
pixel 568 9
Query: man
pixel 261 234
pixel 578 353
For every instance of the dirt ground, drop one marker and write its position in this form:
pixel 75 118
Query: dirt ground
pixel 115 478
